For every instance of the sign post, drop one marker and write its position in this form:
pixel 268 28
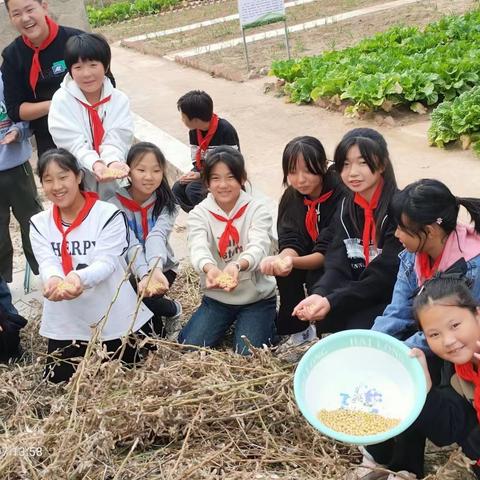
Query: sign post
pixel 255 13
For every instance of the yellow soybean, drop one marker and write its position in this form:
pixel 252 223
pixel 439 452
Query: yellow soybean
pixel 354 422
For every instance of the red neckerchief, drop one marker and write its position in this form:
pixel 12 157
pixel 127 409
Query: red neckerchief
pixel 36 68
pixel 97 126
pixel 133 206
pixel 369 233
pixel 467 373
pixel 230 231
pixel 204 142
pixel 90 199
pixel 311 223
pixel 426 270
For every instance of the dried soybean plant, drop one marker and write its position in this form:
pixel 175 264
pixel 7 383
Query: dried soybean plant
pixel 180 414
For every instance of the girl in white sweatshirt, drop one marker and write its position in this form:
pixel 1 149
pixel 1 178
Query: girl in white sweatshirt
pixel 150 208
pixel 229 233
pixel 78 244
pixel 89 117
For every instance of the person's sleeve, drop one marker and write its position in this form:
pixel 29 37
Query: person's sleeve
pixel 376 282
pixel 23 130
pixel 291 234
pixel 231 137
pixel 325 237
pixel 136 256
pixel 259 240
pixel 156 251
pixel 397 319
pixel 197 239
pixel 118 136
pixel 337 267
pixel 111 244
pixel 66 128
pixel 15 91
pixel 49 264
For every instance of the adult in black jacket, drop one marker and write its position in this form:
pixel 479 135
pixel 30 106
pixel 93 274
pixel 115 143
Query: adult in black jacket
pixel 33 66
pixel 361 262
pixel 304 217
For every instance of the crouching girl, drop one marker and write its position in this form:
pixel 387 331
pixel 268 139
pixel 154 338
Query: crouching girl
pixel 229 233
pixel 78 244
pixel 449 317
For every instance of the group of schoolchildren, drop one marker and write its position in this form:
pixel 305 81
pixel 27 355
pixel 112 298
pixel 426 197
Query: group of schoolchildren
pixel 353 251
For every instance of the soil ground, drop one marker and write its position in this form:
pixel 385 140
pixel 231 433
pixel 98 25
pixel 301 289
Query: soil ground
pixel 230 62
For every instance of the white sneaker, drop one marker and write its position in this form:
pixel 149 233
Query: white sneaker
pixel 299 338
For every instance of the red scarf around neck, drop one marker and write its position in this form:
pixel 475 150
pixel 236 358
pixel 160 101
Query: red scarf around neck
pixel 230 231
pixel 204 142
pixel 369 233
pixel 90 199
pixel 311 223
pixel 96 123
pixel 36 68
pixel 467 373
pixel 426 270
pixel 133 206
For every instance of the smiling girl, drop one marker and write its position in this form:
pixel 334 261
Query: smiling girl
pixel 304 216
pixel 149 205
pixel 434 240
pixel 229 233
pixel 449 316
pixel 34 66
pixel 79 244
pixel 89 117
pixel 361 262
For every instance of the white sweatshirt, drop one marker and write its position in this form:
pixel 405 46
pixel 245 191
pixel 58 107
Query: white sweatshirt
pixel 96 246
pixel 255 232
pixel 155 251
pixel 69 125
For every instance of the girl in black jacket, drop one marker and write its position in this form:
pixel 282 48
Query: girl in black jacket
pixel 362 259
pixel 304 215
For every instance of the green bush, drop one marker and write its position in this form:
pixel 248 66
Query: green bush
pixel 403 65
pixel 117 12
pixel 458 119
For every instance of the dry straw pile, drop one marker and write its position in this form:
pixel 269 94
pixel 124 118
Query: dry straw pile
pixel 179 415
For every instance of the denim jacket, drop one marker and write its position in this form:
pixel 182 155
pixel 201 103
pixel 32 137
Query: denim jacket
pixel 397 319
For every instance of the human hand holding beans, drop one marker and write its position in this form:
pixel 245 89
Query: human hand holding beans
pixel 313 308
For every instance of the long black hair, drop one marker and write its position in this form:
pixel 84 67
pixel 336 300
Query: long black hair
pixel 444 291
pixel 165 197
pixel 63 158
pixel 429 201
pixel 312 151
pixel 374 151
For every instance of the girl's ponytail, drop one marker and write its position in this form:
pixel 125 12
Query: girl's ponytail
pixel 472 206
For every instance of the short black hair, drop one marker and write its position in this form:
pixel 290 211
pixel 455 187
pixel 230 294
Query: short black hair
pixel 87 46
pixel 196 104
pixel 312 151
pixel 6 3
pixel 231 157
pixel 63 158
pixel 447 292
